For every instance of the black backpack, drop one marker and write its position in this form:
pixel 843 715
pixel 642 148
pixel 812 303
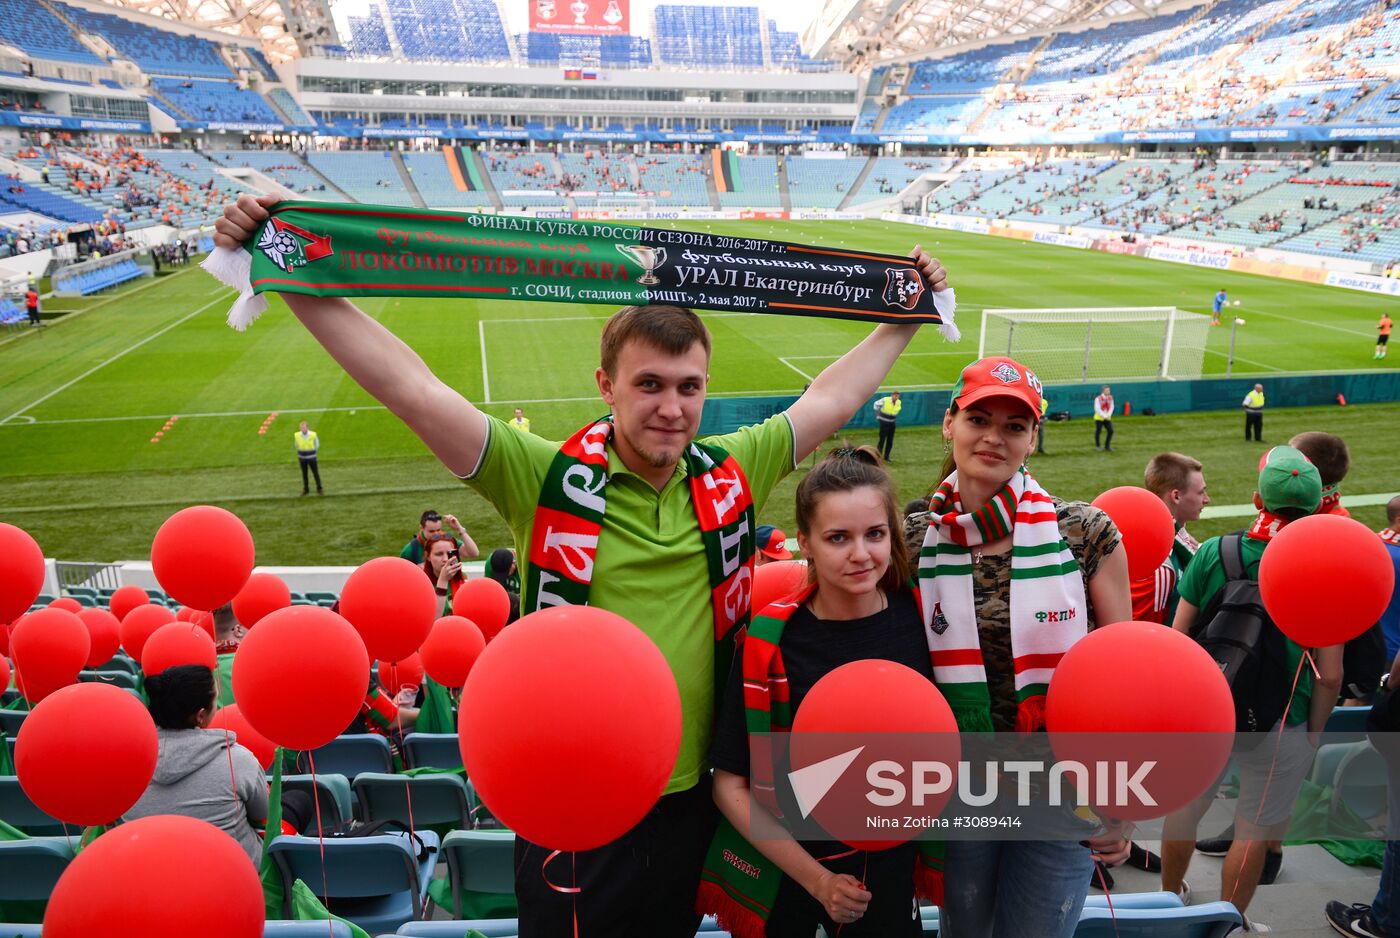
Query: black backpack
pixel 1252 653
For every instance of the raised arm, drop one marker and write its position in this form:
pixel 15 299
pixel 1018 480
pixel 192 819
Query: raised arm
pixel 847 383
pixel 393 374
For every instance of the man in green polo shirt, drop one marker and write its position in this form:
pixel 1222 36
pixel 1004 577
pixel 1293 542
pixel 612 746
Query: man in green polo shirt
pixel 677 511
pixel 1272 773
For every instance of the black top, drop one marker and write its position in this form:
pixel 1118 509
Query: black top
pixel 811 647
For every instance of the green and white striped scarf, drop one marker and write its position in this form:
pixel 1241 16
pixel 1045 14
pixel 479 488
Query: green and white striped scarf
pixel 1048 608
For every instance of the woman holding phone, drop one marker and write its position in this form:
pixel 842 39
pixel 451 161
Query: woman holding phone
pixel 442 562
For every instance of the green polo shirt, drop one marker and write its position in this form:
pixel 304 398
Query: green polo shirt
pixel 651 567
pixel 1205 576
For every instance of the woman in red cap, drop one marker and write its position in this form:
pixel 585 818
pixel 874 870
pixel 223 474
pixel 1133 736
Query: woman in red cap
pixel 994 641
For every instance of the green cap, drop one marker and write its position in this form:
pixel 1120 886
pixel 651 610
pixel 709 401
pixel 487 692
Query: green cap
pixel 1288 480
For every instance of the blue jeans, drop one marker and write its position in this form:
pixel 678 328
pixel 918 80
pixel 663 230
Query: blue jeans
pixel 1014 889
pixel 1385 908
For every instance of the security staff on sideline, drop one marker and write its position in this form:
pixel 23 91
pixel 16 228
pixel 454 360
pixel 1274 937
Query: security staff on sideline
pixel 520 421
pixel 1253 404
pixel 307 444
pixel 886 414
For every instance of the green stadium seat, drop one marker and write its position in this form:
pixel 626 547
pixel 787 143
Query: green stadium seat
pixel 29 869
pixel 119 678
pixel 11 720
pixel 439 750
pixel 331 792
pixel 19 811
pixel 481 869
pixel 349 755
pixel 378 882
pixel 416 801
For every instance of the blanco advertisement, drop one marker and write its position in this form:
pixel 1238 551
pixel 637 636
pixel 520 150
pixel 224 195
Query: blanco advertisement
pixel 1063 240
pixel 1383 285
pixel 1196 258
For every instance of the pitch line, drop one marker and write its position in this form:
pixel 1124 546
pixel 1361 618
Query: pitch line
pixel 485 372
pixel 1241 358
pixel 99 304
pixel 103 364
pixel 805 377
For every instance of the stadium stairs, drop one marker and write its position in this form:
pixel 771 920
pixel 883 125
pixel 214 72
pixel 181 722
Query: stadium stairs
pixel 784 193
pixel 166 105
pixel 488 184
pixel 407 178
pixel 711 190
pixel 330 183
pixel 856 184
pixel 277 109
pixel 1149 56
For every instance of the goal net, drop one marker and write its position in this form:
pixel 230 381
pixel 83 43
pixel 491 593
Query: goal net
pixel 1099 343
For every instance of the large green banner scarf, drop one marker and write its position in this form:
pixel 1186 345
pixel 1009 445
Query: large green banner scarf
pixel 323 249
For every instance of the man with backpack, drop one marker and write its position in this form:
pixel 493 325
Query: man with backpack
pixel 1220 607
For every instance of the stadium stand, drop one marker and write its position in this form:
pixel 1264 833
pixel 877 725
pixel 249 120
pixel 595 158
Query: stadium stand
pixel 369 38
pixel 891 174
pixel 969 71
pixel 449 30
pixel 673 179
pixel 289 106
pixel 710 37
pixel 548 49
pixel 21 196
pixel 365 177
pixel 214 101
pixel 821 183
pixel 281 167
pixel 758 185
pixel 594 173
pixel 434 183
pixel 156 51
pixel 31 27
pixel 101 278
pixel 260 62
pixel 941 114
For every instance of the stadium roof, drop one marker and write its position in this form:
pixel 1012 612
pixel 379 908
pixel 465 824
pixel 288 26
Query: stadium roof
pixel 864 33
pixel 285 27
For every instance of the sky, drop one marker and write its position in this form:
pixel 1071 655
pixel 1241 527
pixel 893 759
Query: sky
pixel 790 14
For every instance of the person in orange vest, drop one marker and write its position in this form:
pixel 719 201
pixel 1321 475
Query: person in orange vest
pixel 1382 340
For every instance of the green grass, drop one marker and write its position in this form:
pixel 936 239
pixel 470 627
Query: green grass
pixel 80 401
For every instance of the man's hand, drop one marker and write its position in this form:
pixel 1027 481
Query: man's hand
pixel 242 218
pixel 1112 847
pixel 453 523
pixel 932 270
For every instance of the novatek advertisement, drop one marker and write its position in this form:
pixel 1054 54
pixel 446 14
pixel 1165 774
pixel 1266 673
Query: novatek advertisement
pixel 582 17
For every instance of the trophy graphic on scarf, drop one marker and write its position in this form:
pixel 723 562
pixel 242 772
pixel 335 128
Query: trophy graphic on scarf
pixel 580 10
pixel 648 258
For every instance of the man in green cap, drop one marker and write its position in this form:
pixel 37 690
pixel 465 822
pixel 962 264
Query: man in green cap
pixel 1272 773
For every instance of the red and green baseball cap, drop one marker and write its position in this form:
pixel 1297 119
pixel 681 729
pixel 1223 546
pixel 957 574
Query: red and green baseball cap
pixel 1288 480
pixel 998 376
pixel 772 543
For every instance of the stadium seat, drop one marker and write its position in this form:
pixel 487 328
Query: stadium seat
pixel 1360 782
pixel 418 801
pixel 11 721
pixel 481 868
pixel 331 792
pixel 1350 720
pixel 439 750
pixel 120 678
pixel 29 869
pixel 19 811
pixel 487 927
pixel 348 755
pixel 1208 920
pixel 316 928
pixel 377 882
pixel 120 663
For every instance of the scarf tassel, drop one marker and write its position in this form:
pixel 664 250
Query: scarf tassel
pixel 945 303
pixel 733 916
pixel 928 883
pixel 233 269
pixel 1030 714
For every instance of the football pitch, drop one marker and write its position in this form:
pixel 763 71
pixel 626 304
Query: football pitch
pixel 81 400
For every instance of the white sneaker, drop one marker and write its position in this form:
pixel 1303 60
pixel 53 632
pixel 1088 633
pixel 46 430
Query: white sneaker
pixel 1254 928
pixel 1184 893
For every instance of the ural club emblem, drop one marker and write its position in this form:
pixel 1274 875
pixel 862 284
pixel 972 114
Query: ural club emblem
pixel 1006 374
pixel 940 621
pixel 903 287
pixel 290 247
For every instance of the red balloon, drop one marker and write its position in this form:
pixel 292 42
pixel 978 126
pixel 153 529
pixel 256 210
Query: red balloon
pixel 263 593
pixel 114 886
pixel 1325 579
pixel 840 712
pixel 21 572
pixel 140 624
pixel 104 635
pixel 1146 526
pixel 202 556
pixel 232 719
pixel 452 648
pixel 186 614
pixel 300 676
pixel 127 598
pixel 395 675
pixel 4 672
pixel 86 754
pixel 175 644
pixel 205 623
pixel 485 602
pixel 391 604
pixel 1181 716
pixel 777 580
pixel 4 640
pixel 50 647
pixel 68 603
pixel 590 772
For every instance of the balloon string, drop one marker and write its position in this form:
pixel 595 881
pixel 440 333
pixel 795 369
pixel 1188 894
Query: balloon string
pixel 321 840
pixel 864 872
pixel 573 890
pixel 1103 884
pixel 1273 763
pixel 232 779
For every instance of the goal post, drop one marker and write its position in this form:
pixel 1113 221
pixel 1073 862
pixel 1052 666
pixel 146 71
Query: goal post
pixel 1081 344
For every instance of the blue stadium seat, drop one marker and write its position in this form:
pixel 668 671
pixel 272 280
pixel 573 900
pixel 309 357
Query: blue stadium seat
pixel 481 869
pixel 307 929
pixel 156 51
pixel 377 882
pixel 1209 920
pixel 330 791
pixel 18 810
pixel 30 26
pixel 349 755
pixel 439 750
pixel 29 869
pixel 417 801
